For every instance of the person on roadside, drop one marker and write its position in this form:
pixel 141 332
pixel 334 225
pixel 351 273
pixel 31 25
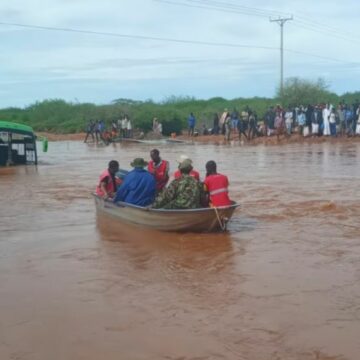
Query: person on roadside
pixel 301 120
pixel 227 126
pixel 308 115
pixel 332 122
pixel 129 129
pixel 191 124
pixel 138 187
pixel 124 125
pixel 234 120
pixel 216 185
pixel 108 181
pixel 341 116
pixel 159 168
pixel 90 131
pixel 155 125
pixel 119 122
pixel 222 120
pixel 177 174
pixel 252 125
pixel 357 130
pixel 97 131
pixel 279 124
pixel 270 121
pixel 215 129
pixel 242 125
pixel 114 129
pixel 289 121
pixel 182 193
pixel 326 115
pixel 315 121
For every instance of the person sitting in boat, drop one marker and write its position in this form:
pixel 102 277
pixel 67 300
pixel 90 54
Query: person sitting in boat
pixel 193 172
pixel 108 181
pixel 138 187
pixel 159 168
pixel 216 185
pixel 182 193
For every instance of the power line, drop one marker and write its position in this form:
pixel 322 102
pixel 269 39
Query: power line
pixel 181 41
pixel 268 12
pixel 228 7
pixel 213 5
pixel 139 37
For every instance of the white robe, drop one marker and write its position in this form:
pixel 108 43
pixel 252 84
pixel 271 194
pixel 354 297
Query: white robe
pixel 326 114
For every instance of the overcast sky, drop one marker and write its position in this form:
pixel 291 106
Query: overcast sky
pixel 39 64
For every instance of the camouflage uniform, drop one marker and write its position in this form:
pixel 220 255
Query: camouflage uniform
pixel 182 193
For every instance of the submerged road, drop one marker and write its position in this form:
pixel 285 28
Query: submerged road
pixel 282 284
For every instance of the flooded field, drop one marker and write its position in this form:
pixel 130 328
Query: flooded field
pixel 282 284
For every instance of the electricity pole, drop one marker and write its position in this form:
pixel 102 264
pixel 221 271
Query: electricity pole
pixel 281 22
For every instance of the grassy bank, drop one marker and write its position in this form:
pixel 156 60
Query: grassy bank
pixel 58 116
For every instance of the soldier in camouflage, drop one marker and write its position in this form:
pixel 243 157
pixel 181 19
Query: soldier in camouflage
pixel 182 193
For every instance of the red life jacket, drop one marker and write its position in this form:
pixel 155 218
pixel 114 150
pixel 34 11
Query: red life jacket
pixel 217 186
pixel 160 172
pixel 111 187
pixel 193 173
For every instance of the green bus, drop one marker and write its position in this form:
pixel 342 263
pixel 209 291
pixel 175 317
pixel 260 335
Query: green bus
pixel 17 144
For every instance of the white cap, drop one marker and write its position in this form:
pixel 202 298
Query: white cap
pixel 182 157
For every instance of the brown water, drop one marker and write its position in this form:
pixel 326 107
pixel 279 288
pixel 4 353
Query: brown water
pixel 282 284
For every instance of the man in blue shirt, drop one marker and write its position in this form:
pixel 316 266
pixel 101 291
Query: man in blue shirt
pixel 139 185
pixel 191 124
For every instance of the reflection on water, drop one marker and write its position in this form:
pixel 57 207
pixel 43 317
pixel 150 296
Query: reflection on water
pixel 281 284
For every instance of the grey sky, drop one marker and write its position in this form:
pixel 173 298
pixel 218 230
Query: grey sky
pixel 39 64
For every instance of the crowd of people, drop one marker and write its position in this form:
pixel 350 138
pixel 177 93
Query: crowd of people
pixel 148 184
pixel 310 120
pixel 98 131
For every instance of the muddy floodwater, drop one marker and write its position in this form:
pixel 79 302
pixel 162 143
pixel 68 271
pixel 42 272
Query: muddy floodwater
pixel 282 284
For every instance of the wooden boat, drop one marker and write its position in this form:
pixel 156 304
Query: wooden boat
pixel 194 220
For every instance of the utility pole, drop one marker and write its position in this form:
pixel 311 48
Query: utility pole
pixel 281 22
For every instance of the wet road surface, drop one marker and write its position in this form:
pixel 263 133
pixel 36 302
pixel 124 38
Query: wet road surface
pixel 281 284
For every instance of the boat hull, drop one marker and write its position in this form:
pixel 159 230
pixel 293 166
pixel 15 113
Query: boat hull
pixel 194 220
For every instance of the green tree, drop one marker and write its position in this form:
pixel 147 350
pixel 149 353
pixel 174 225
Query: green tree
pixel 298 91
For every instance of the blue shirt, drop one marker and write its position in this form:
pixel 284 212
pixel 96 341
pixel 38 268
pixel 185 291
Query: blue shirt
pixel 138 188
pixel 191 120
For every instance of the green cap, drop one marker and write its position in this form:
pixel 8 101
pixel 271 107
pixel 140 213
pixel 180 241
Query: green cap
pixel 185 164
pixel 139 163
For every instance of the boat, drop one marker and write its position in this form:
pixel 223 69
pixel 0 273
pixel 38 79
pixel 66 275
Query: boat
pixel 177 141
pixel 128 140
pixel 192 220
pixel 17 144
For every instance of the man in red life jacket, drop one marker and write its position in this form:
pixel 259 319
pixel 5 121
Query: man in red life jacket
pixel 108 182
pixel 217 186
pixel 193 172
pixel 159 168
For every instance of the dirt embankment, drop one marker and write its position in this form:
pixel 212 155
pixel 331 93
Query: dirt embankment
pixel 269 140
pixel 62 137
pixel 219 139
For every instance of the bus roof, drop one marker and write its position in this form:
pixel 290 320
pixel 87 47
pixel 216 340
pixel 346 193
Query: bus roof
pixel 12 127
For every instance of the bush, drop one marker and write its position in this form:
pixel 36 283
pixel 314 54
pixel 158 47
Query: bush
pixel 65 117
pixel 303 92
